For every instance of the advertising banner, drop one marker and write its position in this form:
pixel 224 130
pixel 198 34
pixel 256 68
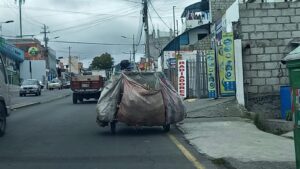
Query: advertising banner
pixel 228 67
pixel 170 58
pixel 182 78
pixel 211 72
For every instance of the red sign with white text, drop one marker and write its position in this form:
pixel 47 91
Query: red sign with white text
pixel 182 83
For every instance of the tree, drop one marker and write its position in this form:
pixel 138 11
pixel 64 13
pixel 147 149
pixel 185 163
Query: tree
pixel 105 61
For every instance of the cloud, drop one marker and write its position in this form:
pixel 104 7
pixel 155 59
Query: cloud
pixel 88 21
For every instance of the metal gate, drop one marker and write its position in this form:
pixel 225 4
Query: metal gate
pixel 197 86
pixel 197 77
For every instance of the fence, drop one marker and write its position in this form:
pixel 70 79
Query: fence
pixel 196 76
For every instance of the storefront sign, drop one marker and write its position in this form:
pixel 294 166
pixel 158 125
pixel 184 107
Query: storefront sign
pixel 229 65
pixel 211 73
pixel 182 86
pixel 33 51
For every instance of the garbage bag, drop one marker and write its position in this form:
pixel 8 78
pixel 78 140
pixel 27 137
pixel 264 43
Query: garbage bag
pixel 108 101
pixel 141 105
pixel 175 109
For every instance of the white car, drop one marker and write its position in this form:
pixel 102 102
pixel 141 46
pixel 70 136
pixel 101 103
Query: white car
pixel 4 97
pixel 30 86
pixel 55 84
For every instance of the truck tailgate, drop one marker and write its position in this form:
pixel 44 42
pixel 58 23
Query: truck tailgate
pixel 86 82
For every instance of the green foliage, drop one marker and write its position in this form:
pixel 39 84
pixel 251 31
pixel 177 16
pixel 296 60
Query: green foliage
pixel 105 61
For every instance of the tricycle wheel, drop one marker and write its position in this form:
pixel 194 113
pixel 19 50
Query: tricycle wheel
pixel 74 98
pixel 113 127
pixel 166 127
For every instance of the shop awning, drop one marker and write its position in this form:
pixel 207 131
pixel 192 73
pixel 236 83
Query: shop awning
pixel 11 51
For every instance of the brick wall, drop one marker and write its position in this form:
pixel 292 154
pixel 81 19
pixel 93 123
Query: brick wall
pixel 267 30
pixel 219 7
pixel 204 44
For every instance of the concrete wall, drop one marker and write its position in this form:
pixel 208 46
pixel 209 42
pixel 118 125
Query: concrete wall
pixel 218 8
pixel 267 30
pixel 204 44
pixel 193 35
pixel 157 43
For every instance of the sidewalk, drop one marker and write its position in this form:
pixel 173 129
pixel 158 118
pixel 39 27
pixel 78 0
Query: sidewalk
pixel 215 128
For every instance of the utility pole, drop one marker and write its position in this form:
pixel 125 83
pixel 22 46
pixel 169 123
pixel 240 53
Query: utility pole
pixel 145 19
pixel 177 32
pixel 133 48
pixel 174 35
pixel 70 59
pixel 20 15
pixel 46 39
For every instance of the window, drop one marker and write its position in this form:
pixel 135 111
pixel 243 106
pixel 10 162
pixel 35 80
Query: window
pixel 2 70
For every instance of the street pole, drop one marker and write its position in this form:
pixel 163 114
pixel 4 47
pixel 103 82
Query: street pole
pixel 174 21
pixel 177 32
pixel 146 29
pixel 70 59
pixel 130 56
pixel 20 16
pixel 46 49
pixel 133 49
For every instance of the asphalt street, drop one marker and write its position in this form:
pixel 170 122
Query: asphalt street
pixel 65 136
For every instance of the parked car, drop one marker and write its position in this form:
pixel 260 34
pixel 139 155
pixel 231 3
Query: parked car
pixel 55 84
pixel 4 97
pixel 66 84
pixel 42 84
pixel 30 86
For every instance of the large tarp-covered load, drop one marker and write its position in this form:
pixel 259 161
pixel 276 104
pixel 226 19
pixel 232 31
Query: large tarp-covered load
pixel 145 99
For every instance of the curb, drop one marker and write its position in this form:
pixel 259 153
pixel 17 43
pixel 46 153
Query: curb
pixel 180 129
pixel 225 163
pixel 18 106
pixel 56 98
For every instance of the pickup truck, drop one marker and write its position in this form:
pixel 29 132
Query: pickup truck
pixel 4 97
pixel 86 87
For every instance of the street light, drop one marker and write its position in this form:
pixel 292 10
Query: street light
pixel 9 21
pixel 133 46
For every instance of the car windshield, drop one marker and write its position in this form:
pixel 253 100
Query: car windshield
pixel 54 81
pixel 29 82
pixel 221 76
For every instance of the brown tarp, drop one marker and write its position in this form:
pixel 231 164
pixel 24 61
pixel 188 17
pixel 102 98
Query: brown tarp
pixel 144 99
pixel 175 109
pixel 141 106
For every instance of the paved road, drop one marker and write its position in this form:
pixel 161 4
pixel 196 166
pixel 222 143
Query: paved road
pixel 65 136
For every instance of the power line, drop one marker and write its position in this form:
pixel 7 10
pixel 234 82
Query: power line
pixel 93 22
pixel 93 43
pixel 158 15
pixel 132 1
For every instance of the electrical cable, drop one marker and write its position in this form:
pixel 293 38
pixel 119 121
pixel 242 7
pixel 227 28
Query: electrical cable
pixel 158 14
pixel 93 43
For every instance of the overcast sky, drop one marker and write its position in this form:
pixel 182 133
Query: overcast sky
pixel 102 21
